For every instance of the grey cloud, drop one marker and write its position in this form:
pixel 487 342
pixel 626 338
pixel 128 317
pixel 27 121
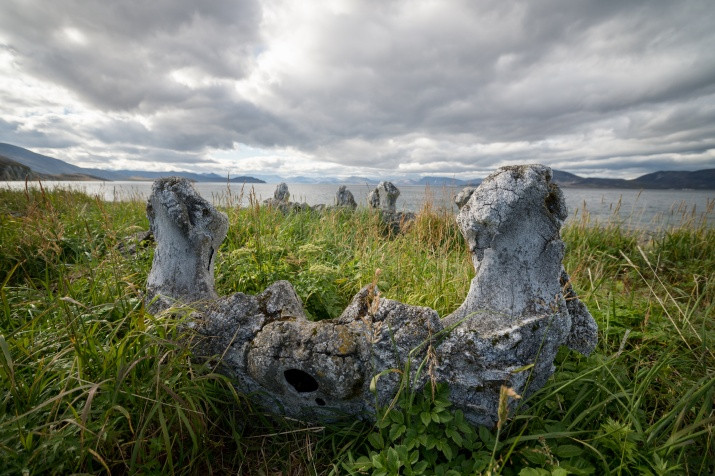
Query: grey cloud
pixel 130 47
pixel 139 158
pixel 483 83
pixel 448 78
pixel 13 132
pixel 120 131
pixel 695 119
pixel 219 125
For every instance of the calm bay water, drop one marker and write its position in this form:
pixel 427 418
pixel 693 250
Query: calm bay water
pixel 635 209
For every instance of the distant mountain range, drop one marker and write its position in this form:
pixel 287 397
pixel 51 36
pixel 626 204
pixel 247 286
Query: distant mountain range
pixel 353 179
pixel 38 166
pixel 17 163
pixel 14 170
pixel 673 179
pixel 698 180
pixel 446 182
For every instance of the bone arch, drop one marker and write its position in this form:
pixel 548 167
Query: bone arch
pixel 519 310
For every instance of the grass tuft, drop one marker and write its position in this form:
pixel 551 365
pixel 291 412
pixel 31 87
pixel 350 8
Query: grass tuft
pixel 91 383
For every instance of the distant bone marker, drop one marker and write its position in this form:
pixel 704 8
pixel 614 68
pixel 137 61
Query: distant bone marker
pixel 345 198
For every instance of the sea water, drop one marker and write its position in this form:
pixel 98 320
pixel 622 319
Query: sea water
pixel 632 208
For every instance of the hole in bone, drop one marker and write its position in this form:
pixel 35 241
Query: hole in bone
pixel 320 401
pixel 301 381
pixel 550 203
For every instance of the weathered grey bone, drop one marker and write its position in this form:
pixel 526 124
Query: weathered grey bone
pixel 506 333
pixel 384 197
pixel 520 307
pixel 373 199
pixel 463 196
pixel 281 200
pixel 188 230
pixel 281 193
pixel 345 198
pixel 511 224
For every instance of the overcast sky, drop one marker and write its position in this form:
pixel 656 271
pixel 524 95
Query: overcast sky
pixel 372 88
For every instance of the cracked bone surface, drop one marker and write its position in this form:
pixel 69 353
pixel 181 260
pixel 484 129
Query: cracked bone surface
pixel 281 193
pixel 463 196
pixel 384 197
pixel 345 198
pixel 188 231
pixel 519 310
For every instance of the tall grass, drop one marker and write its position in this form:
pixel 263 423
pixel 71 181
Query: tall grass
pixel 92 383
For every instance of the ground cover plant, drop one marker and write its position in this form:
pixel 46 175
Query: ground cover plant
pixel 92 383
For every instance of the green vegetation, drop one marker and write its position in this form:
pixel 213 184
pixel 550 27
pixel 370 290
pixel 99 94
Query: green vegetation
pixel 90 382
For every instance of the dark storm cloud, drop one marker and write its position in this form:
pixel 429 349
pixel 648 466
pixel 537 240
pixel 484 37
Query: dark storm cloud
pixel 120 54
pixel 167 158
pixel 499 72
pixel 413 86
pixel 37 137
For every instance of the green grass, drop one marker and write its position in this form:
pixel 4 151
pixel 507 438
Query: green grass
pixel 91 383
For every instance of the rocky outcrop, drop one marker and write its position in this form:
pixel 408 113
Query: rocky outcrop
pixel 520 309
pixel 11 170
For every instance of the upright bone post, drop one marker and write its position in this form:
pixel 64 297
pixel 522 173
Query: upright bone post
pixel 188 231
